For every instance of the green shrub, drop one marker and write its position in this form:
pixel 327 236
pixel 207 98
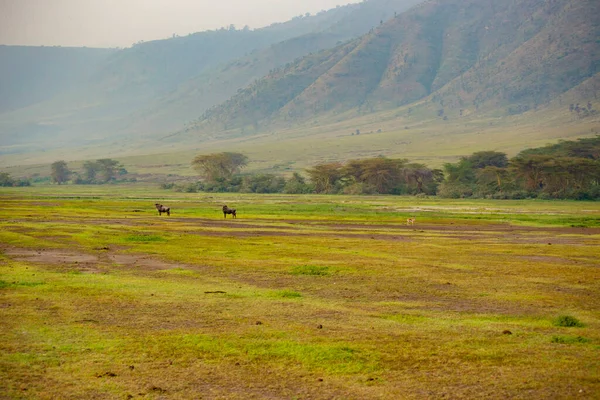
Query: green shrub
pixel 569 339
pixel 287 294
pixel 143 238
pixel 567 321
pixel 313 270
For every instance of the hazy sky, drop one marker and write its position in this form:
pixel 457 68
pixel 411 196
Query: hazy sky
pixel 112 23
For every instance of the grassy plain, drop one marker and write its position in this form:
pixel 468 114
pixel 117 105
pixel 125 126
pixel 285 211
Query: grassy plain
pixel 300 297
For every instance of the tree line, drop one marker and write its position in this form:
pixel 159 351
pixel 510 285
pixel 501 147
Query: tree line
pixel 101 171
pixel 566 170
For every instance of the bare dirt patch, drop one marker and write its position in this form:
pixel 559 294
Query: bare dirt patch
pixel 67 260
pixel 88 263
pixel 143 262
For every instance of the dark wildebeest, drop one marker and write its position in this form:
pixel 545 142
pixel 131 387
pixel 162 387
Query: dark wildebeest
pixel 162 209
pixel 227 210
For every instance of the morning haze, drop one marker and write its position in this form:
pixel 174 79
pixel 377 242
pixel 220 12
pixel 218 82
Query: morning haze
pixel 120 23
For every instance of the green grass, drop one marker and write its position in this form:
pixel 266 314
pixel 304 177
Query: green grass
pixel 312 270
pixel 301 296
pixel 569 339
pixel 568 321
pixel 143 238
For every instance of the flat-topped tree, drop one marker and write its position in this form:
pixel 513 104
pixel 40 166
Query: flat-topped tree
pixel 213 167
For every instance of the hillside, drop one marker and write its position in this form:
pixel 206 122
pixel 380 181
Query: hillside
pixel 156 87
pixel 461 56
pixel 103 106
pixel 29 75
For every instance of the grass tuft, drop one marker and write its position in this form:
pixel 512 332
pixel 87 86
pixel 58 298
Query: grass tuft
pixel 312 270
pixel 287 294
pixel 143 238
pixel 569 339
pixel 568 321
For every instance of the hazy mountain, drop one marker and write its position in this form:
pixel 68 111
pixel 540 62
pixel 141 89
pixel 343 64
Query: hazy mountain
pixel 218 84
pixel 154 88
pixel 29 75
pixel 462 55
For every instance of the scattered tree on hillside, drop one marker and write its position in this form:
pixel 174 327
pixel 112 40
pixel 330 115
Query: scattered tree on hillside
pixel 60 172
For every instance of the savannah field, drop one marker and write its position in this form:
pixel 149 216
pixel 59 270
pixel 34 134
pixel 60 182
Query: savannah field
pixel 300 297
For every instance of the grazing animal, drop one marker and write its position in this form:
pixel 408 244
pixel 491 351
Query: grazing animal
pixel 410 221
pixel 162 209
pixel 227 210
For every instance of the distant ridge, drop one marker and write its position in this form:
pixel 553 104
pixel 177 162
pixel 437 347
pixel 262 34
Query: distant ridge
pixel 463 56
pixel 156 87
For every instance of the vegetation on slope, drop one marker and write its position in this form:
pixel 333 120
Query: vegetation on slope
pixel 465 55
pixel 154 88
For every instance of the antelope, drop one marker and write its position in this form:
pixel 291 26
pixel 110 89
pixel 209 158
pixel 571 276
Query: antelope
pixel 411 221
pixel 227 210
pixel 162 209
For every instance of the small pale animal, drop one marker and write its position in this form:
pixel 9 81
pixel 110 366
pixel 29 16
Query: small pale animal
pixel 162 209
pixel 227 210
pixel 410 221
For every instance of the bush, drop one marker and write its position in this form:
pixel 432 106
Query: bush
pixel 222 185
pixel 569 339
pixel 567 321
pixel 520 195
pixel 263 183
pixel 295 187
pixel 455 190
pixel 313 270
pixel 287 294
pixel 359 188
pixel 6 180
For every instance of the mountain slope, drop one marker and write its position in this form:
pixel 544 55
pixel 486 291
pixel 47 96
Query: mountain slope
pixel 154 88
pixel 125 82
pixel 29 75
pixel 468 55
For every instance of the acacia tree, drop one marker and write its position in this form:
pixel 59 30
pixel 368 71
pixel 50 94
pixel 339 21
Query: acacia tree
pixel 422 178
pixel 383 174
pixel 482 159
pixel 492 178
pixel 60 172
pixel 325 177
pixel 90 170
pixel 109 168
pixel 530 170
pixel 216 166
